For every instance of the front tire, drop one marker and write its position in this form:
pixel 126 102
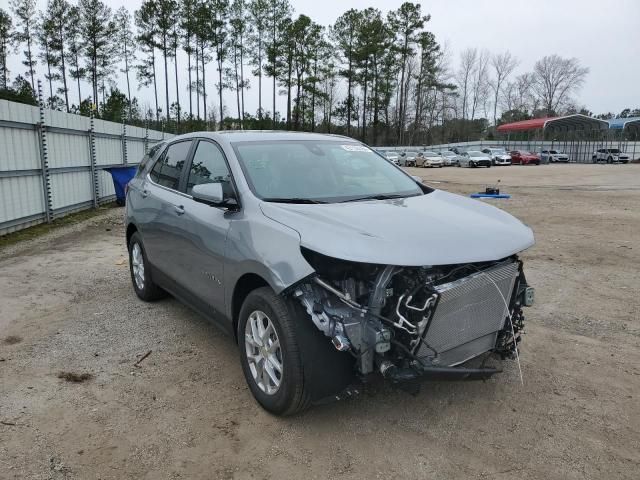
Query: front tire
pixel 143 284
pixel 287 362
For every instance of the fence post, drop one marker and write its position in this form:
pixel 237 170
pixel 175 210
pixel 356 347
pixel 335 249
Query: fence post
pixel 124 141
pixel 92 153
pixel 146 137
pixel 44 160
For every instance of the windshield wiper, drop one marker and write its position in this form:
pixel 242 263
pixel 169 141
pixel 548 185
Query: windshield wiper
pixel 292 200
pixel 377 197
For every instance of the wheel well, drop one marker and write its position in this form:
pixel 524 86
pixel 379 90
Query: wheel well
pixel 131 229
pixel 245 285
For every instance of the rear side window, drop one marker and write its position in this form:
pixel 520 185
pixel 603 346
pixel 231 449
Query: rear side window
pixel 208 166
pixel 168 168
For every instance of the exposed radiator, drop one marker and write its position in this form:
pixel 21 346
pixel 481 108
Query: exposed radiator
pixel 469 315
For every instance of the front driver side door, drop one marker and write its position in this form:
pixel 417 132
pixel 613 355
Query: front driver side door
pixel 205 229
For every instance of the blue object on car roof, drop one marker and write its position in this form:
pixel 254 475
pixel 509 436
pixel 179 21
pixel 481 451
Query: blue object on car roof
pixel 121 176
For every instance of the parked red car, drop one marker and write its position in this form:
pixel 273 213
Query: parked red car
pixel 523 157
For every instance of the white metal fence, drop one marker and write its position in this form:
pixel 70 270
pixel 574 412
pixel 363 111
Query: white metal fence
pixel 578 151
pixel 53 163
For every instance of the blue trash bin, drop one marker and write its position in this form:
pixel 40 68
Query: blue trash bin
pixel 121 176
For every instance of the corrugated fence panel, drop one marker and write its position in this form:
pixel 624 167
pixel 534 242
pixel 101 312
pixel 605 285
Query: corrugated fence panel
pixel 105 184
pixel 135 151
pixel 108 151
pixel 112 128
pixel 18 112
pixel 20 197
pixel 70 188
pixel 68 150
pixel 57 119
pixel 19 149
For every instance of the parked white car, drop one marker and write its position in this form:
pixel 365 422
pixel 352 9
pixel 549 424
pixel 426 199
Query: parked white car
pixel 498 155
pixel 429 159
pixel 449 157
pixel 391 156
pixel 553 156
pixel 610 155
pixel 407 159
pixel 474 158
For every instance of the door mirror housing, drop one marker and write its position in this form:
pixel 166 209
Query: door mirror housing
pixel 209 194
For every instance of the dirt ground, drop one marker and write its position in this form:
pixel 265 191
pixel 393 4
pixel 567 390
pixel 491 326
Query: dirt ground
pixel 67 306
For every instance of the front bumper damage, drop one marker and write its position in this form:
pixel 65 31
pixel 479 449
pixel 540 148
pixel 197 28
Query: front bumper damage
pixel 426 323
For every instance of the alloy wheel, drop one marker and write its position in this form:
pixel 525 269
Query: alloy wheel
pixel 264 354
pixel 137 261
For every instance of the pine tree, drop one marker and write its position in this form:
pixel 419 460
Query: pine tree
pixel 165 19
pixel 240 29
pixel 145 20
pixel 72 54
pixel 187 10
pixel 97 33
pixel 126 46
pixel 25 12
pixel 345 31
pixel 6 40
pixel 258 17
pixel 278 12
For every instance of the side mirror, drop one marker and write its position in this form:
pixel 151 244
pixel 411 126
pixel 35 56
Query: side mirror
pixel 209 194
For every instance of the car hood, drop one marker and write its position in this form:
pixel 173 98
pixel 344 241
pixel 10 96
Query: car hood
pixel 438 228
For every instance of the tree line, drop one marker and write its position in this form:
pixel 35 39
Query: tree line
pixel 381 78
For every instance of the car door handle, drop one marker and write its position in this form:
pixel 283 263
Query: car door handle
pixel 179 209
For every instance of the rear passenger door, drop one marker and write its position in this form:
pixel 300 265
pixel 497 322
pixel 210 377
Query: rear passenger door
pixel 163 206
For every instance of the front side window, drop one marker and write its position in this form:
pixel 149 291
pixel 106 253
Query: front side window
pixel 323 171
pixel 168 168
pixel 208 166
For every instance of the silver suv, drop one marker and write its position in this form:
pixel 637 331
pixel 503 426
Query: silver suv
pixel 325 262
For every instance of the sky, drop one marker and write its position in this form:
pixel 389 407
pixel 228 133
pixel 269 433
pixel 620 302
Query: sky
pixel 602 35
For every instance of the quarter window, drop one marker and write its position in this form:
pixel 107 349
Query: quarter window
pixel 167 170
pixel 208 166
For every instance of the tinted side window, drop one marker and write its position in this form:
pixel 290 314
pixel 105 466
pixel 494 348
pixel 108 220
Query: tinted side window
pixel 167 170
pixel 149 155
pixel 208 166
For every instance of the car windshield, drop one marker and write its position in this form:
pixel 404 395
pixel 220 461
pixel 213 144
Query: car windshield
pixel 430 154
pixel 448 154
pixel 524 152
pixel 475 153
pixel 320 171
pixel 554 152
pixel 614 150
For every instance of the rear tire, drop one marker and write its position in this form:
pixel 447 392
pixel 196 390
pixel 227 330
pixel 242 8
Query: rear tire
pixel 311 368
pixel 140 271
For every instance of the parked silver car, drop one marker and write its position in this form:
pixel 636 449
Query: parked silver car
pixel 449 157
pixel 475 158
pixel 428 159
pixel 325 262
pixel 408 158
pixel 498 155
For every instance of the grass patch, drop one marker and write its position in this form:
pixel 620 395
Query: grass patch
pixel 43 228
pixel 75 377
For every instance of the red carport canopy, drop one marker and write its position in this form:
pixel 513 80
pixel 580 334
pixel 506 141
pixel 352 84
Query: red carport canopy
pixel 566 123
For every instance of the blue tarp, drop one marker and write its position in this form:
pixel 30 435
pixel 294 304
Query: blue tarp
pixel 121 176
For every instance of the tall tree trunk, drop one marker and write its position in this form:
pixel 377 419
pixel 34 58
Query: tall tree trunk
pixel 155 83
pixel 64 70
pixel 197 81
pixel 46 53
pixel 204 87
pixel 126 72
pixel 33 84
pixel 189 73
pixel 78 78
pixel 235 66
pixel 273 40
pixel 364 103
pixel 166 77
pixel 242 81
pixel 219 59
pixel 175 63
pixel 260 77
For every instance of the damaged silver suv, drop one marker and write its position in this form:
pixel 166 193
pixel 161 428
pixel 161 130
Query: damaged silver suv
pixel 326 262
